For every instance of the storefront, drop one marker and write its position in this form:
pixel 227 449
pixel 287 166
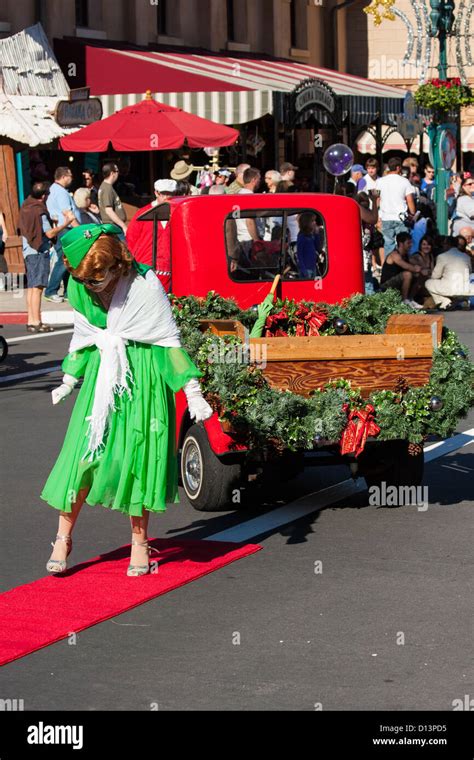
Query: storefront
pixel 316 115
pixel 280 107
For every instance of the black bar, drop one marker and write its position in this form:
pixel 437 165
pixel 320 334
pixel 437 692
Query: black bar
pixel 155 241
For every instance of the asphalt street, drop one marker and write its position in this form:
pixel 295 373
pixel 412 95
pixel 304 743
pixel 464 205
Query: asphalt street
pixel 330 638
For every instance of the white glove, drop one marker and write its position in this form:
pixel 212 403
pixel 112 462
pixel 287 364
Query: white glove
pixel 199 409
pixel 64 390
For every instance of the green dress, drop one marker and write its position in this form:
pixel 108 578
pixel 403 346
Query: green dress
pixel 136 468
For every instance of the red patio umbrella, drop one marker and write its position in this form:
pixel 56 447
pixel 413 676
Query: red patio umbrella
pixel 149 126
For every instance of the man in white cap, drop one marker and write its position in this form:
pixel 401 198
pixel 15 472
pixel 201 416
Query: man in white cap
pixel 139 236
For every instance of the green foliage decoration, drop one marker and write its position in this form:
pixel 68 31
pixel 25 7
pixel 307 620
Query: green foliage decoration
pixel 267 417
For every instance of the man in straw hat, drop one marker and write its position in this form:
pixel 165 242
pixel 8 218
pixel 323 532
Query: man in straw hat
pixel 182 170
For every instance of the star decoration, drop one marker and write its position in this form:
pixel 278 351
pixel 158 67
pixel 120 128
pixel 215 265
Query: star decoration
pixel 380 9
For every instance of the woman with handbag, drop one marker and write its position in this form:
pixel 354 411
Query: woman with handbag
pixel 119 449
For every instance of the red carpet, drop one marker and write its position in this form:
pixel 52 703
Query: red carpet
pixel 40 613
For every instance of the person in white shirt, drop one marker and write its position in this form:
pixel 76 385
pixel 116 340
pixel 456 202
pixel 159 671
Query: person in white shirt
pixel 273 224
pixel 250 230
pixel 370 179
pixel 396 199
pixel 450 277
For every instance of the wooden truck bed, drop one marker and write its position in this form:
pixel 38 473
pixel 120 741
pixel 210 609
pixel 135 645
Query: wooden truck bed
pixel 372 362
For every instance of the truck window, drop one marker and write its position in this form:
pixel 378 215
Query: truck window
pixel 263 243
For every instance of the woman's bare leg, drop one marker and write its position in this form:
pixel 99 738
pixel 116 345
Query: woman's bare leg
pixel 67 520
pixel 139 554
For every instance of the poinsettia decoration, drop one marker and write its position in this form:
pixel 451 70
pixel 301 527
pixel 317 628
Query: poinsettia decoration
pixel 304 321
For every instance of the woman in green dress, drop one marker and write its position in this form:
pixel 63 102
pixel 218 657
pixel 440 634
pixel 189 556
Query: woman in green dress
pixel 119 450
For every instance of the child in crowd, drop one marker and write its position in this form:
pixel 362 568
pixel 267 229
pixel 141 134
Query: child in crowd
pixel 308 246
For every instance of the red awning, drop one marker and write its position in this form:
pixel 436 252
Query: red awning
pixel 113 72
pixel 149 125
pixel 221 88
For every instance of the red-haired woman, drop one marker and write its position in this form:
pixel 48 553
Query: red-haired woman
pixel 119 447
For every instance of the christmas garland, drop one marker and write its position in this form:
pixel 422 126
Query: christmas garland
pixel 266 417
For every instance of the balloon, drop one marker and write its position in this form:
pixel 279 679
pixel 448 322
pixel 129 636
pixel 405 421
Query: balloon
pixel 338 159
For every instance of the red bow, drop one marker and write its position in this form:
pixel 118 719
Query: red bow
pixel 309 322
pixel 360 425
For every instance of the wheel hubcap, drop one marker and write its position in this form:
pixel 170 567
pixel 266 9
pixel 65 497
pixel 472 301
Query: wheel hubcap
pixel 192 468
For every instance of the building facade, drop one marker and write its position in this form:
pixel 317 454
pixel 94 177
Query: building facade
pixel 293 29
pixel 377 52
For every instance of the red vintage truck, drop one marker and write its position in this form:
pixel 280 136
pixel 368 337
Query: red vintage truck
pixel 235 245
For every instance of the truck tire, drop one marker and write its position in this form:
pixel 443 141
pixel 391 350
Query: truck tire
pixel 208 481
pixel 3 348
pixel 390 462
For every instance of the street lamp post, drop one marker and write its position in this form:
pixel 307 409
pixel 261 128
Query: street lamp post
pixel 442 21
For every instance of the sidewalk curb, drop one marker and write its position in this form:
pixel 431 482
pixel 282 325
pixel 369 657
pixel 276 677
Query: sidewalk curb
pixel 58 317
pixel 49 317
pixel 13 317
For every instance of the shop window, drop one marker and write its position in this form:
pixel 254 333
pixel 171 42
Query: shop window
pixel 82 13
pixel 237 21
pixel 230 21
pixel 40 13
pixel 162 17
pixel 261 244
pixel 298 24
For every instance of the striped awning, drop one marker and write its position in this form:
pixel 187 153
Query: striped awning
pixel 225 89
pixel 222 107
pixel 366 142
pixel 467 139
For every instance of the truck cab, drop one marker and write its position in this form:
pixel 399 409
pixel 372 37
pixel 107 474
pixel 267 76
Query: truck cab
pixel 236 244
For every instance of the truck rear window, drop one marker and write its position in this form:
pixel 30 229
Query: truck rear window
pixel 263 243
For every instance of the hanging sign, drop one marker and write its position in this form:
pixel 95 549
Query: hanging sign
pixel 442 152
pixel 79 93
pixel 447 149
pixel 409 124
pixel 78 112
pixel 315 93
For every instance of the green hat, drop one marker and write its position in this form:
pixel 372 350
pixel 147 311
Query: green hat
pixel 77 243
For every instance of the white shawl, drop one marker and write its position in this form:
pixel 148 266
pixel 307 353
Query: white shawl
pixel 140 311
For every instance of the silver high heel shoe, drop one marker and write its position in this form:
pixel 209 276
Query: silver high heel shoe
pixel 59 565
pixel 135 571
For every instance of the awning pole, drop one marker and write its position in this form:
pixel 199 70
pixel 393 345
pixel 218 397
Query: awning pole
pixel 243 138
pixel 349 124
pixel 155 241
pixel 276 128
pixel 378 136
pixel 151 170
pixel 19 177
pixel 459 155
